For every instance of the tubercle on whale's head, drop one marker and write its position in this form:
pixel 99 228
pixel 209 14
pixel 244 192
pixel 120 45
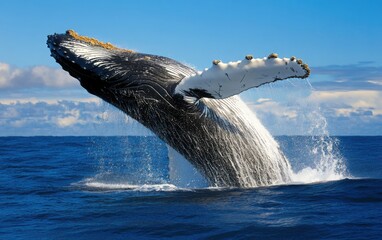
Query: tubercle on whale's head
pixel 94 41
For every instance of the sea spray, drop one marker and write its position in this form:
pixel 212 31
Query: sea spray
pixel 127 161
pixel 325 162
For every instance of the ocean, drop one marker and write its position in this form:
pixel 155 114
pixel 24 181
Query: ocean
pixel 119 188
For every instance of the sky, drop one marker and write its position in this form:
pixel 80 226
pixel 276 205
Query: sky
pixel 339 40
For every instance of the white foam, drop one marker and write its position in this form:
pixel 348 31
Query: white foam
pixel 111 186
pixel 313 175
pixel 93 184
pixel 159 187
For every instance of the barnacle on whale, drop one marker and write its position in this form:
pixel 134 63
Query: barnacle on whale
pixel 94 41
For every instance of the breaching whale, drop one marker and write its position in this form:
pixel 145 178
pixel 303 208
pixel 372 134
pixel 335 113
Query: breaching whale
pixel 196 113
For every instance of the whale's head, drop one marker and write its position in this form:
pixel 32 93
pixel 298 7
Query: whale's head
pixel 113 73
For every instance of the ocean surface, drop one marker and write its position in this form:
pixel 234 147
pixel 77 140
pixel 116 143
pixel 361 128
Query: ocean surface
pixel 119 188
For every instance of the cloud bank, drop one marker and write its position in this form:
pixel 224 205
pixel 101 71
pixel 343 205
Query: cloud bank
pixel 363 75
pixel 73 118
pixel 346 100
pixel 34 77
pixel 338 112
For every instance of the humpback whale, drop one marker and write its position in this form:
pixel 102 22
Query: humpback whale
pixel 197 113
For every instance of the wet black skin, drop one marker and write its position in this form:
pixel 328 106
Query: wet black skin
pixel 142 86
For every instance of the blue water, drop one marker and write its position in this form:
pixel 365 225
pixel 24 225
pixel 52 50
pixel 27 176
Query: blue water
pixel 117 188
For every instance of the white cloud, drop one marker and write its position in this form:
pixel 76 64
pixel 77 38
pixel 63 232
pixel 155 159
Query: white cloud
pixel 33 100
pixel 18 123
pixel 376 82
pixel 267 105
pixel 346 103
pixel 38 76
pixel 262 100
pixel 337 112
pixel 64 117
pixel 9 112
pixel 354 77
pixel 73 117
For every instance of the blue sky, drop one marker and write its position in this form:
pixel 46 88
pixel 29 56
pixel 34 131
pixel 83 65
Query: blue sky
pixel 340 40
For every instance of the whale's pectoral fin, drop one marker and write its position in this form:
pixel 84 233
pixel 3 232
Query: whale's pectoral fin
pixel 223 80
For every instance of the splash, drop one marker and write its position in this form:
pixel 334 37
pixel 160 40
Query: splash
pixel 128 161
pixel 322 154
